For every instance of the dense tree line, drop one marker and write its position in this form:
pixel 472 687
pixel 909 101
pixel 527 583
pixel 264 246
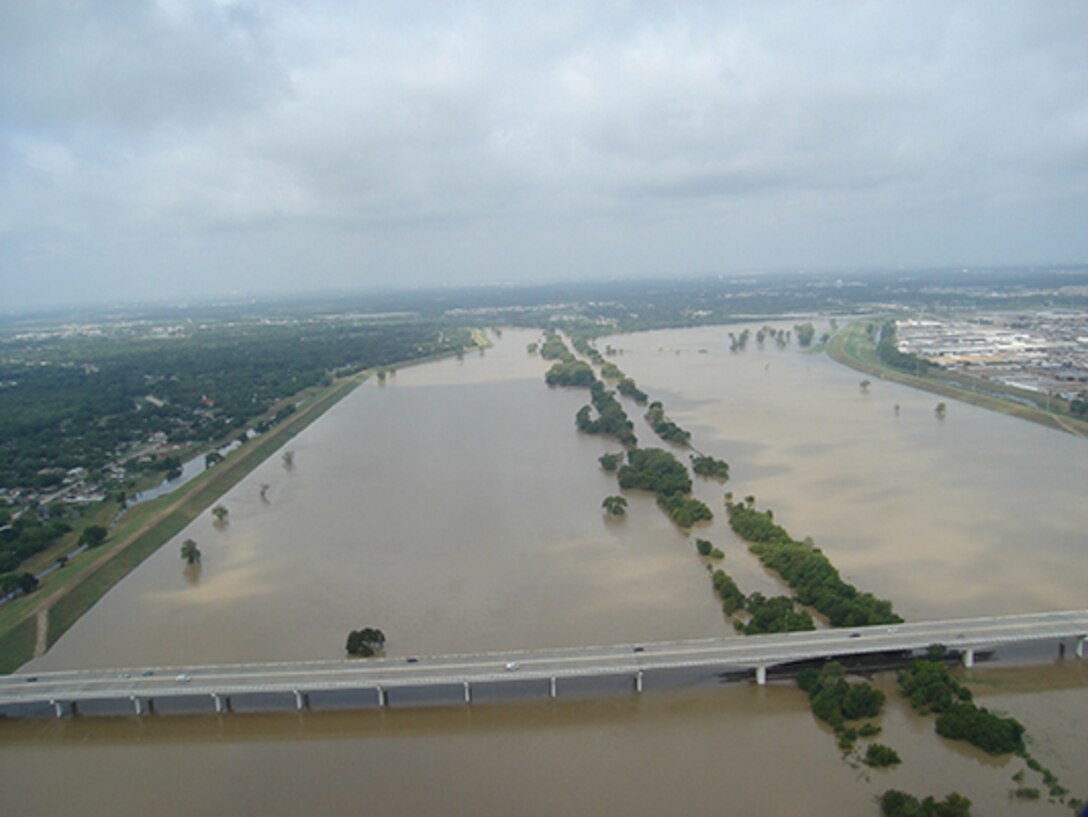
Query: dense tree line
pixel 894 803
pixel 930 688
pixel 665 428
pixel 706 466
pixel 654 469
pixel 27 536
pixel 727 590
pixel 807 571
pixel 805 333
pixel 611 418
pixel 888 351
pixel 775 615
pixel 76 403
pixel 834 700
pixel 553 347
pixel 628 388
pixel 570 373
pixel 685 511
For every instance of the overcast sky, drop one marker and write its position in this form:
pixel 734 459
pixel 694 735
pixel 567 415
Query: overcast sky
pixel 188 148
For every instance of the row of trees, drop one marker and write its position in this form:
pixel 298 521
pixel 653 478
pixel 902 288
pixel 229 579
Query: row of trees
pixel 665 428
pixel 611 419
pixel 706 466
pixel 27 536
pixel 929 687
pixel 888 351
pixel 807 570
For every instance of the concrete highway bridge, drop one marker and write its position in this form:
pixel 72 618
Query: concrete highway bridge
pixel 372 683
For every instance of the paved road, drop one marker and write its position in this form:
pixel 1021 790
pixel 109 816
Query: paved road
pixel 390 673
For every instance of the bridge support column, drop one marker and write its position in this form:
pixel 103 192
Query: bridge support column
pixel 554 688
pixel 761 676
pixel 969 657
pixel 58 708
pixel 468 693
pixel 300 700
pixel 222 703
pixel 1080 646
pixel 138 705
pixel 638 681
pixel 382 702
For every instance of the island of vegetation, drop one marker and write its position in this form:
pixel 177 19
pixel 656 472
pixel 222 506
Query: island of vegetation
pixel 665 428
pixel 657 470
pixel 806 570
pixel 835 701
pixel 894 803
pixel 705 466
pixel 929 687
pixel 366 642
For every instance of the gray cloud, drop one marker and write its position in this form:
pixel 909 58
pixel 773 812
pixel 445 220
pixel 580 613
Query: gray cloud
pixel 174 148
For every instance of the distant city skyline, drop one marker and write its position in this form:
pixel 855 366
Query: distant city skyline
pixel 215 149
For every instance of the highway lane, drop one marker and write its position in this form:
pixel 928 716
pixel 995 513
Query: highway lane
pixel 727 653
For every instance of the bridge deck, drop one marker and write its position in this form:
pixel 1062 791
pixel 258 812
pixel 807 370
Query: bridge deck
pixel 738 653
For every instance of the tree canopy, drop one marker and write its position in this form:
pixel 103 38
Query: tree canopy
pixel 365 642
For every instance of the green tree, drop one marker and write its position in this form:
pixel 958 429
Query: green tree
pixel 940 410
pixel 615 505
pixel 18 582
pixel 610 462
pixel 190 552
pixel 93 536
pixel 220 512
pixel 365 642
pixel 880 756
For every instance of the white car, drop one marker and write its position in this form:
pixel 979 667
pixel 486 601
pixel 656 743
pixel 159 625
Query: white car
pixel 183 679
pixel 512 666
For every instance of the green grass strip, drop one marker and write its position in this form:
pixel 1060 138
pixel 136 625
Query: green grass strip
pixel 852 347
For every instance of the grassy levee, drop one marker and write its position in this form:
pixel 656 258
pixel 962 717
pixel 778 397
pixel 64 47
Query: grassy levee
pixel 852 347
pixel 144 530
pixel 17 645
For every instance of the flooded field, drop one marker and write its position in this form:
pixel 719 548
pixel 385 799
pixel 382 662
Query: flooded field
pixel 457 508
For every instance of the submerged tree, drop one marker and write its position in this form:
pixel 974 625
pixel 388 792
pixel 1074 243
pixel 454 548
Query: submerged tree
pixel 940 410
pixel 365 642
pixel 190 552
pixel 615 505
pixel 220 512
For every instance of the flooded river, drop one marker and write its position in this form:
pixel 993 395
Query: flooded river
pixel 457 508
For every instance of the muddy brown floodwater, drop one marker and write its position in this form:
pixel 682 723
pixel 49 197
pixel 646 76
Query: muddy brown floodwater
pixel 457 508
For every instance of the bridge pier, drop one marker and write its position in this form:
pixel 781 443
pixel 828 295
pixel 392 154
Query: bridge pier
pixel 761 676
pixel 137 704
pixel 301 700
pixel 1080 646
pixel 638 681
pixel 969 657
pixel 58 708
pixel 382 701
pixel 468 693
pixel 222 703
pixel 554 688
